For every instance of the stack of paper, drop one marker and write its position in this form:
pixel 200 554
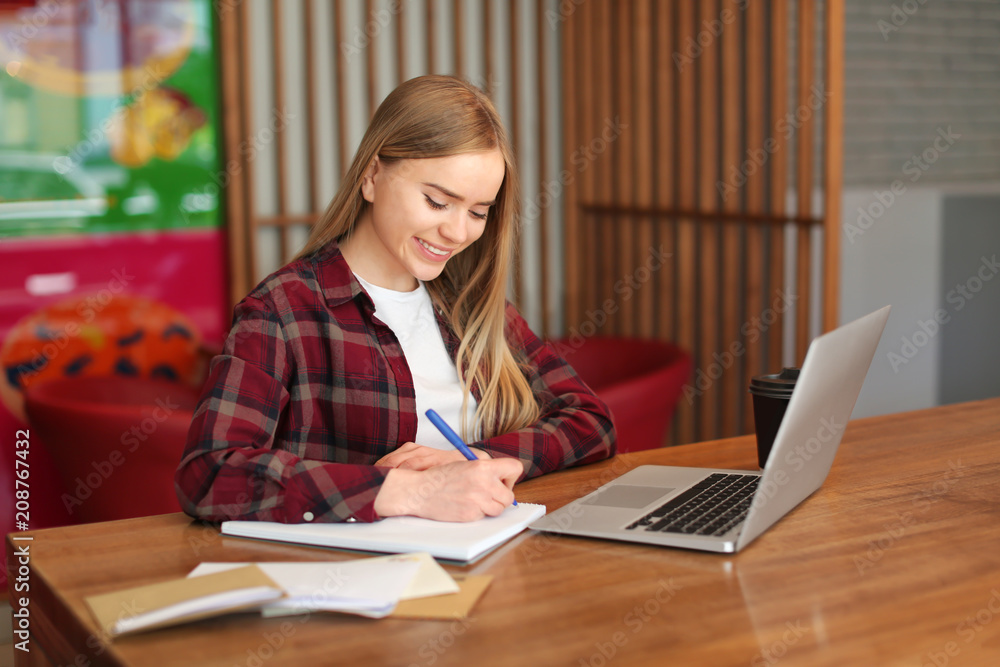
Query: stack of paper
pixel 369 587
pixel 173 602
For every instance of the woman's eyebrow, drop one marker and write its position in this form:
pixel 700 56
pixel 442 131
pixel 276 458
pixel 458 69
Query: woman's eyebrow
pixel 453 195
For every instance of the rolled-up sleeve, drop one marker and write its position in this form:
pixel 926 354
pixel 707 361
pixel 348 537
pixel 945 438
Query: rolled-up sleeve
pixel 575 426
pixel 235 465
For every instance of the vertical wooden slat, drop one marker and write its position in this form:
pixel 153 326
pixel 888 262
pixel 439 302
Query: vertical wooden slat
pixel 731 318
pixel 686 230
pixel 246 104
pixel 459 31
pixel 804 177
pixel 515 131
pixel 754 279
pixel 340 32
pixel 312 159
pixel 573 88
pixel 778 175
pixel 233 126
pixel 431 37
pixel 370 54
pixel 833 173
pixel 648 300
pixel 708 301
pixel 278 60
pixel 588 273
pixel 665 160
pixel 623 177
pixel 604 257
pixel 543 160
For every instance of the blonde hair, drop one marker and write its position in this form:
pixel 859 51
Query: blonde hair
pixel 439 116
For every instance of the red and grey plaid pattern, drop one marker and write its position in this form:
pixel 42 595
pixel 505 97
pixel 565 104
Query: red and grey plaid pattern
pixel 310 390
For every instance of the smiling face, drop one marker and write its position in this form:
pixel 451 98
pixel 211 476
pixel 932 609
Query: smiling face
pixel 423 212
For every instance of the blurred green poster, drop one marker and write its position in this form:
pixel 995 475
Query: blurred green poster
pixel 109 115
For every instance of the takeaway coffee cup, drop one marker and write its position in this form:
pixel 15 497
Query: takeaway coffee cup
pixel 771 394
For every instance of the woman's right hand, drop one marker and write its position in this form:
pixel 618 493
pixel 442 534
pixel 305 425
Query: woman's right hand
pixel 458 491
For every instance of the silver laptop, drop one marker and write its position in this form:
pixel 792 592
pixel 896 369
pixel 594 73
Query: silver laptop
pixel 666 505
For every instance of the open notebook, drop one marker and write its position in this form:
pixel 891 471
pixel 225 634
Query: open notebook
pixel 399 534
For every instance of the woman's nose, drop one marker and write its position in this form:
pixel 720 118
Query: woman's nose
pixel 456 229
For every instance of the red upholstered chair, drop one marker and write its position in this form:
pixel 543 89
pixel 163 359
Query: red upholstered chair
pixel 641 380
pixel 116 441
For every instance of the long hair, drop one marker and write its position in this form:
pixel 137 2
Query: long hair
pixel 439 116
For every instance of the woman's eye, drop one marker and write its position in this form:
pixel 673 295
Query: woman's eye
pixel 480 216
pixel 433 204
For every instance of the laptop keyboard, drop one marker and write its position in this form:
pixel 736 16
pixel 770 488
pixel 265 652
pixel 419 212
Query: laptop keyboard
pixel 710 507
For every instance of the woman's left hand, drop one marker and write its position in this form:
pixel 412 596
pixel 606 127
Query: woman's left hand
pixel 412 456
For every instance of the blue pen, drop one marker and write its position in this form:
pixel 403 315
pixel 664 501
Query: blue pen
pixel 452 437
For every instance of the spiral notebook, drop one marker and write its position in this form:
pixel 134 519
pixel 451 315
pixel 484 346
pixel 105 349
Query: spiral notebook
pixel 464 542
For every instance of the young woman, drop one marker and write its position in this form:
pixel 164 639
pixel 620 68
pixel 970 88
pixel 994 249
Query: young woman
pixel 315 409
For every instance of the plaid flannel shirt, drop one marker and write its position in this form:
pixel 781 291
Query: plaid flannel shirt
pixel 311 389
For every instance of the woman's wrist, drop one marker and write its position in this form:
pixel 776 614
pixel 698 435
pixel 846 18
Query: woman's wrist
pixel 394 497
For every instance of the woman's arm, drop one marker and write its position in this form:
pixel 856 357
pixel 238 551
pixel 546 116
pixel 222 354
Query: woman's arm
pixel 233 465
pixel 575 426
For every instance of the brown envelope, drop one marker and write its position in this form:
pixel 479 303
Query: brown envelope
pixel 449 606
pixel 165 597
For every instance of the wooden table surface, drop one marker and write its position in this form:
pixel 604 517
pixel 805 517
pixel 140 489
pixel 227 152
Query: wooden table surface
pixel 896 560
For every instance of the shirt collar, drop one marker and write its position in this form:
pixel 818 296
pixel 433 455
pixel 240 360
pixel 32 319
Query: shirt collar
pixel 336 280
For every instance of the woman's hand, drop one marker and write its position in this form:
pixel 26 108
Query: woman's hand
pixel 412 456
pixel 457 491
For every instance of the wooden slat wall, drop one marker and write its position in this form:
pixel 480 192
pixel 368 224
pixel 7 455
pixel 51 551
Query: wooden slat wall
pixel 371 46
pixel 664 109
pixel 701 169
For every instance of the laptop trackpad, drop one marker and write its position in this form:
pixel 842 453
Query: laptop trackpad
pixel 627 495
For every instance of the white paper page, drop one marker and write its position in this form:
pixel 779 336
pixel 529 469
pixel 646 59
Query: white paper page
pixel 402 534
pixel 350 586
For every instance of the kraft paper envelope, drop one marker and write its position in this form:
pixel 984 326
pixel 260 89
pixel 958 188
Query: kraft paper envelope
pixel 182 600
pixel 447 607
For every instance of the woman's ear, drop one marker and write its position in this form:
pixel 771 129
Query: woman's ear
pixel 368 182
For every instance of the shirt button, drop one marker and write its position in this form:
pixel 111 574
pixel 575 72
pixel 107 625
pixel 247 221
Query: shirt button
pixel 351 519
pixel 308 516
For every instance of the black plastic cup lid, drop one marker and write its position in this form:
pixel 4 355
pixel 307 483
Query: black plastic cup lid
pixel 779 385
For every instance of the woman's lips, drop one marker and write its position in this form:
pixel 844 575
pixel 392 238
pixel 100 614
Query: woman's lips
pixel 432 252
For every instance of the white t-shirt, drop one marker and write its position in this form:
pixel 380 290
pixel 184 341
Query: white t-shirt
pixel 410 315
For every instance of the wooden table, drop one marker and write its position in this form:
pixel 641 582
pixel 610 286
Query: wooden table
pixel 896 560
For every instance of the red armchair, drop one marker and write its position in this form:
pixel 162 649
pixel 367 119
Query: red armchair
pixel 640 379
pixel 115 441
